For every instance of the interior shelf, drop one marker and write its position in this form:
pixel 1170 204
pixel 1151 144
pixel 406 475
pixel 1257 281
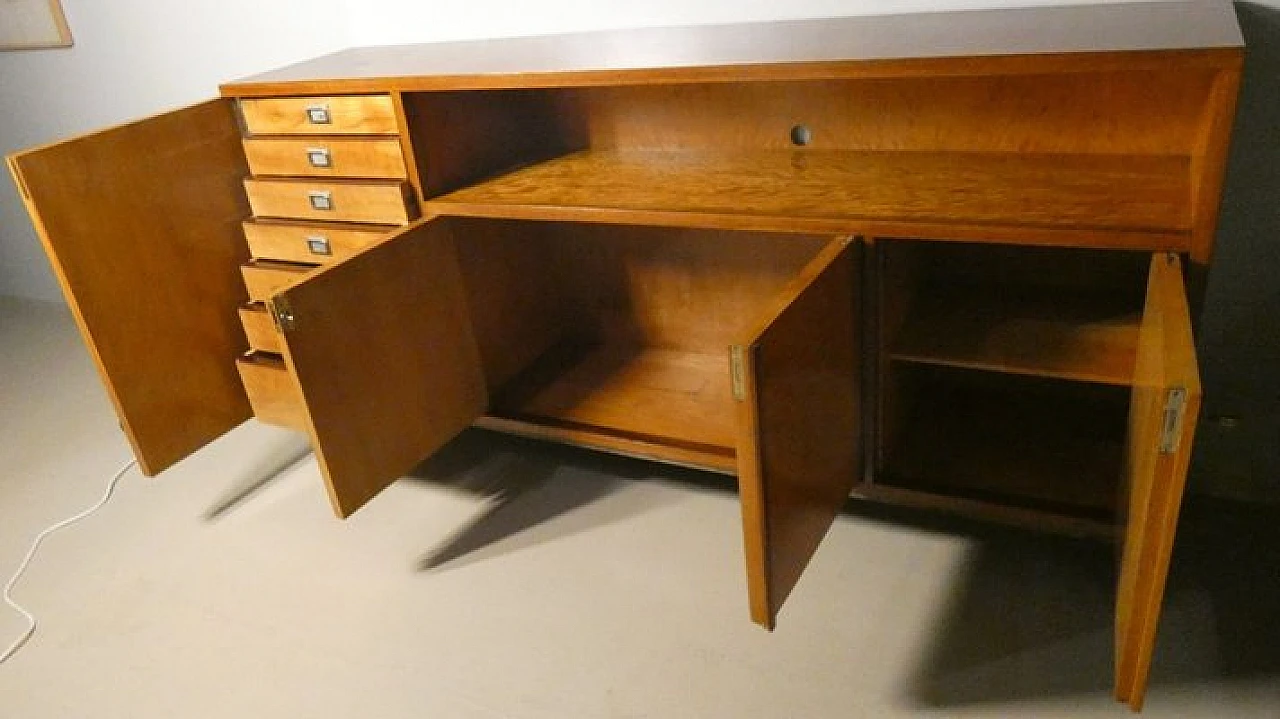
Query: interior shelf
pixel 676 396
pixel 1041 444
pixel 819 189
pixel 1065 335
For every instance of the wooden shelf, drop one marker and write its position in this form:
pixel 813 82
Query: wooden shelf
pixel 1060 451
pixel 677 397
pixel 1068 336
pixel 832 190
pixel 1091 527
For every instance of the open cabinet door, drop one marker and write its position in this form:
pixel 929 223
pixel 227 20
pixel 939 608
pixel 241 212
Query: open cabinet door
pixel 797 382
pixel 381 347
pixel 142 225
pixel 1162 420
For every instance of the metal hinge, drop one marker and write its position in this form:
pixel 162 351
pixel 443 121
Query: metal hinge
pixel 281 313
pixel 738 371
pixel 1175 404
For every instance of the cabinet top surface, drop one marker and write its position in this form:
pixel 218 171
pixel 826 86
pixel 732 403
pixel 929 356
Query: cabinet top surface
pixel 740 51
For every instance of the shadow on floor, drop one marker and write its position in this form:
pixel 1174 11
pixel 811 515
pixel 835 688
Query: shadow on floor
pixel 540 492
pixel 272 467
pixel 1028 616
pixel 1031 617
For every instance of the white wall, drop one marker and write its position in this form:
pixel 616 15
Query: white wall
pixel 133 58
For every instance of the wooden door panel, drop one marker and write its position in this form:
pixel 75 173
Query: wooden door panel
pixel 1162 418
pixel 382 348
pixel 799 423
pixel 141 225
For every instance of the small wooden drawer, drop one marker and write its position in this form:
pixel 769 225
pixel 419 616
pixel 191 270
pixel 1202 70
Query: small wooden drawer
pixel 274 396
pixel 259 328
pixel 264 278
pixel 382 202
pixel 326 157
pixel 319 242
pixel 338 115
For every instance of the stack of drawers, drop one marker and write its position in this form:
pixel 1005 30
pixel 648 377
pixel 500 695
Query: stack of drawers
pixel 329 179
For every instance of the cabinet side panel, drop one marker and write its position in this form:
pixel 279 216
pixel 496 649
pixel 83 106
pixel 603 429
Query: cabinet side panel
pixel 463 136
pixel 142 225
pixel 1209 163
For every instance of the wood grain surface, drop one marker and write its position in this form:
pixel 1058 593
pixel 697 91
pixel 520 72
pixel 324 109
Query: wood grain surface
pixel 264 278
pixel 349 115
pixel 978 191
pixel 382 349
pixel 141 225
pixel 678 396
pixel 272 392
pixel 1009 40
pixel 374 201
pixel 259 328
pixel 1154 479
pixel 1063 335
pixel 799 424
pixel 348 157
pixel 703 457
pixel 287 240
pixel 1135 111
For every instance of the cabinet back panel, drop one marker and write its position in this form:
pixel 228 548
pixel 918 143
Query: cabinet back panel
pixel 1141 112
pixel 532 284
pixel 518 307
pixel 997 268
pixel 675 288
pixel 1033 442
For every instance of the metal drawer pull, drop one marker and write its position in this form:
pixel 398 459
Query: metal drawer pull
pixel 320 199
pixel 319 157
pixel 319 245
pixel 319 115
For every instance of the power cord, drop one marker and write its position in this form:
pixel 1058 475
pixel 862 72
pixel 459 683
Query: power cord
pixel 26 561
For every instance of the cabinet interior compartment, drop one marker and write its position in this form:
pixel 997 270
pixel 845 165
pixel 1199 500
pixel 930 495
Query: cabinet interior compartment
pixel 616 335
pixel 1005 373
pixel 1045 445
pixel 804 154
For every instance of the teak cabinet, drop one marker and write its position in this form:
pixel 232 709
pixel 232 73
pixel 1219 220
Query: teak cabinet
pixel 937 260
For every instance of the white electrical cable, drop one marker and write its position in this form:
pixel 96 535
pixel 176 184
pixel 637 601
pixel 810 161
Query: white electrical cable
pixel 26 561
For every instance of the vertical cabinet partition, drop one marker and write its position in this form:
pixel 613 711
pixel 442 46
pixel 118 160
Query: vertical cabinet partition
pixel 811 254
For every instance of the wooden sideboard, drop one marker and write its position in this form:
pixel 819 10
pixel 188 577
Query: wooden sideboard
pixel 938 260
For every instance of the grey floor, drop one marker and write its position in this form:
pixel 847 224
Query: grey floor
pixel 513 579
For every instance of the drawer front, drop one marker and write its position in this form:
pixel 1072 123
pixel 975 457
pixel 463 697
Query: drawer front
pixel 387 203
pixel 272 393
pixel 337 115
pixel 264 279
pixel 259 328
pixel 326 157
pixel 317 242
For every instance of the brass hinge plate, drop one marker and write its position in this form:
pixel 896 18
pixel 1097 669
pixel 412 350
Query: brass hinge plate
pixel 738 371
pixel 1175 405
